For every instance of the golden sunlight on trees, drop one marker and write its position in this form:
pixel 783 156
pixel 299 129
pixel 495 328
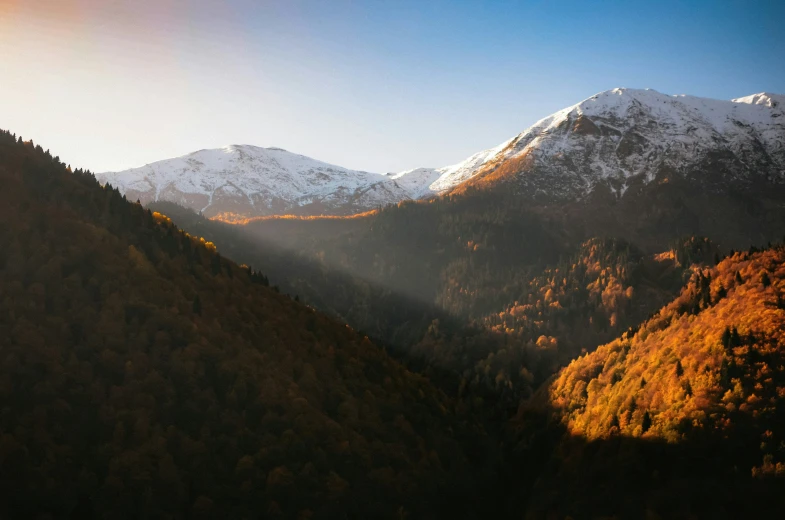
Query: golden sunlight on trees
pixel 713 360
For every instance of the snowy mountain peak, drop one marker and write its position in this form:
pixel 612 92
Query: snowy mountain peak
pixel 623 133
pixel 252 180
pixel 764 98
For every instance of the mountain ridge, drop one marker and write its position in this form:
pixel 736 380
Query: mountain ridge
pixel 617 137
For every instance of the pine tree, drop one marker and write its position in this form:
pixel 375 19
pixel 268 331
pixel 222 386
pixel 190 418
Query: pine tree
pixel 646 424
pixel 215 265
pixel 726 338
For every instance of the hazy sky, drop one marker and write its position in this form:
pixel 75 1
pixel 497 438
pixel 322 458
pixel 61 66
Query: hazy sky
pixel 379 86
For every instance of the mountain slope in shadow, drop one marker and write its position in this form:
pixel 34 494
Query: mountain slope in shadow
pixel 143 375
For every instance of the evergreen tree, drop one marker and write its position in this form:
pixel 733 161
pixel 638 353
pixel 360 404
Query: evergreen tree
pixel 646 423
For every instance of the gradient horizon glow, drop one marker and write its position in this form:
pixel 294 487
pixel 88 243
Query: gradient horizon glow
pixel 376 86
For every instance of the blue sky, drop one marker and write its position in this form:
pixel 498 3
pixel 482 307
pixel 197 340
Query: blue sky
pixel 379 86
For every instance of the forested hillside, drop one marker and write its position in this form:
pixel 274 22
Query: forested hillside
pixel 378 311
pixel 686 415
pixel 714 351
pixel 455 287
pixel 143 375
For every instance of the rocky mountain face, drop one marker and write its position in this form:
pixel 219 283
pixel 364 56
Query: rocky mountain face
pixel 617 139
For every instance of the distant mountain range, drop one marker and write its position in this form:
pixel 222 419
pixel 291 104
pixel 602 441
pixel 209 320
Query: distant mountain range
pixel 253 181
pixel 619 139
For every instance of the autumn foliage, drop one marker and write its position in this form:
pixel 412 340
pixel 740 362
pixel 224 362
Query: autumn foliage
pixel 712 362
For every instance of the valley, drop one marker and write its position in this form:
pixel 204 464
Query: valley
pixel 493 348
pixel 403 260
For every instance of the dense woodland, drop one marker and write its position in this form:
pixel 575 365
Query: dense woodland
pixel 496 364
pixel 146 374
pixel 722 343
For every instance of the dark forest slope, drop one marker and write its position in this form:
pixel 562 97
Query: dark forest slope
pixel 147 375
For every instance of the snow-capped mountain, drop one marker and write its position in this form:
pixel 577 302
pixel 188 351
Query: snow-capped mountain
pixel 250 180
pixel 615 138
pixel 625 136
pixel 253 181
